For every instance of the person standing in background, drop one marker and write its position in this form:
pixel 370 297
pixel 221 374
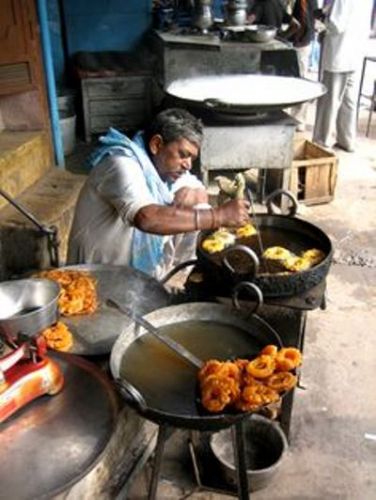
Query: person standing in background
pixel 301 38
pixel 347 29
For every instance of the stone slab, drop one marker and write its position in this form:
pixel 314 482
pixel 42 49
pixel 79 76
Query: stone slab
pixel 24 158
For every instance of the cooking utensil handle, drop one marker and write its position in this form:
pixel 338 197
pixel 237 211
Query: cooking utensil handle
pixel 292 209
pixel 213 103
pixel 246 285
pixel 178 348
pixel 12 358
pixel 128 390
pixel 241 248
pixel 176 269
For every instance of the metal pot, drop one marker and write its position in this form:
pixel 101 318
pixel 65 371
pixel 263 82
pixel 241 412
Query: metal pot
pixel 236 12
pixel 28 306
pixel 203 16
pixel 160 385
pixel 260 33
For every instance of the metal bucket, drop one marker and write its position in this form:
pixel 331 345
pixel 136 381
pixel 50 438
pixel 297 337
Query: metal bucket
pixel 265 445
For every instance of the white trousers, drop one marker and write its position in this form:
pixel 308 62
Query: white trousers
pixel 300 112
pixel 336 110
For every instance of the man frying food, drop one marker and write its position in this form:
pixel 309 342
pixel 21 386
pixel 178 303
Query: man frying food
pixel 140 205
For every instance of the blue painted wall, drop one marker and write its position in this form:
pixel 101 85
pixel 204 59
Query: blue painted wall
pixel 96 25
pixel 105 24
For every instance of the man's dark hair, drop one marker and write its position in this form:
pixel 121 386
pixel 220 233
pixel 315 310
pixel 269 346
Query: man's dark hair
pixel 174 124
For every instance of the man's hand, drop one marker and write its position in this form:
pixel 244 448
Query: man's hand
pixel 233 213
pixel 187 197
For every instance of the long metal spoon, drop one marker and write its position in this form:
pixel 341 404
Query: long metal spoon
pixel 254 220
pixel 178 348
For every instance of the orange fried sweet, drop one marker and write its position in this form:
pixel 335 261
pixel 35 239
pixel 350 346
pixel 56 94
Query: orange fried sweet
pixel 218 392
pixel 270 350
pixel 78 293
pixel 210 368
pixel 58 337
pixel 248 385
pixel 254 396
pixel 261 367
pixel 282 381
pixel 288 358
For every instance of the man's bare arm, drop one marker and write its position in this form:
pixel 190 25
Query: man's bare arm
pixel 159 219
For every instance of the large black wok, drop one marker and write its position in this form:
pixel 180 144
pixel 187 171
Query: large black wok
pixel 160 385
pixel 234 265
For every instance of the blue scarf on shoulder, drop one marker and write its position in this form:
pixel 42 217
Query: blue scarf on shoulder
pixel 147 249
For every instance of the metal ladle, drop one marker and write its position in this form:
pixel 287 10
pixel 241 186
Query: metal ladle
pixel 177 348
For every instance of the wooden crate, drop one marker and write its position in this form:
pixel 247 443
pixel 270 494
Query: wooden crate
pixel 313 173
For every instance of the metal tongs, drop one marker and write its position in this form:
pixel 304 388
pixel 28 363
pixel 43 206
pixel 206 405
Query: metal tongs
pixel 175 346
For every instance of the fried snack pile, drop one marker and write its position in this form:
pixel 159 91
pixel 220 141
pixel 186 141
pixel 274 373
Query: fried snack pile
pixel 218 241
pixel 292 262
pixel 78 293
pixel 223 238
pixel 58 337
pixel 246 231
pixel 248 385
pixel 277 253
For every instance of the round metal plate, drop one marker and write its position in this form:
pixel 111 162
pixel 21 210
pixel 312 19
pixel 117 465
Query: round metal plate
pixel 245 93
pixel 54 441
pixel 96 333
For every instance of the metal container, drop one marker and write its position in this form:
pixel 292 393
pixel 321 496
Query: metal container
pixel 265 445
pixel 28 306
pixel 260 33
pixel 203 16
pixel 236 13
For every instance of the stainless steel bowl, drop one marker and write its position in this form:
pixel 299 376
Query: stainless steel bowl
pixel 260 33
pixel 28 306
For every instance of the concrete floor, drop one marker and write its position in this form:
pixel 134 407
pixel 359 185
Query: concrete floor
pixel 332 453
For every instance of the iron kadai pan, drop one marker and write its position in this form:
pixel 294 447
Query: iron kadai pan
pixel 160 385
pixel 234 264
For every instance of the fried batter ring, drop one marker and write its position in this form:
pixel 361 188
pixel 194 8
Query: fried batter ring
pixel 282 381
pixel 261 367
pixel 288 358
pixel 58 337
pixel 254 396
pixel 210 368
pixel 270 350
pixel 218 392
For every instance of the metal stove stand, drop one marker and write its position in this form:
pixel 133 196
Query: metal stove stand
pixel 238 441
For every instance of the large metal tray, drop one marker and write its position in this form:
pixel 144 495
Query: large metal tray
pixel 96 333
pixel 50 444
pixel 244 94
